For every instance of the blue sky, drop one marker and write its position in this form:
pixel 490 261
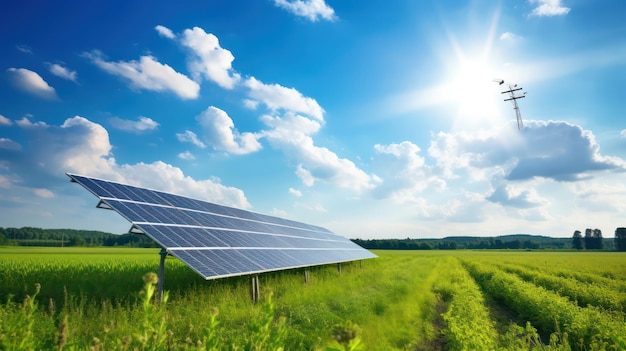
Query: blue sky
pixel 373 119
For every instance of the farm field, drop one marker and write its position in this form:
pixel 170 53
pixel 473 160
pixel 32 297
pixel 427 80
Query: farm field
pixel 89 299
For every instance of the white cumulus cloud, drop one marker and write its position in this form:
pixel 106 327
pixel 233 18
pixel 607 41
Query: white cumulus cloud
pixel 277 97
pixel 403 171
pixel 509 36
pixel 25 122
pixel 549 8
pixel 5 121
pixel 31 82
pixel 149 74
pixel 209 59
pixel 219 131
pixel 143 124
pixel 187 156
pixel 83 147
pixel 552 150
pixel 63 72
pixel 292 134
pixel 165 32
pixel 312 10
pixel 295 192
pixel 190 137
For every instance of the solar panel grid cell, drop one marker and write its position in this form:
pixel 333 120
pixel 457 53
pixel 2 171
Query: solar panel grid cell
pixel 157 235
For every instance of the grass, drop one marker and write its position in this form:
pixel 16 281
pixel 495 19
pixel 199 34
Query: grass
pixel 403 300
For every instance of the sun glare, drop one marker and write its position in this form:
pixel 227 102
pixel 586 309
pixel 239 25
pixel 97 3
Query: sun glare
pixel 470 71
pixel 474 93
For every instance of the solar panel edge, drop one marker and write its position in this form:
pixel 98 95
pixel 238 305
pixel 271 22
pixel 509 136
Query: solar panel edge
pixel 73 176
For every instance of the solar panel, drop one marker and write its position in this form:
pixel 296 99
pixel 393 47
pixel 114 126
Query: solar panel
pixel 219 241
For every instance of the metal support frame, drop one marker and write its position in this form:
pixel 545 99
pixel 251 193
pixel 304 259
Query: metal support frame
pixel 306 275
pixel 339 267
pixel 163 254
pixel 254 289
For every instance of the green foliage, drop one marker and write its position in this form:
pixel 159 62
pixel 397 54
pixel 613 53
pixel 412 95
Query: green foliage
pixel 346 337
pixel 30 236
pixel 17 323
pixel 584 294
pixel 468 324
pixel 404 300
pixel 545 309
pixel 264 334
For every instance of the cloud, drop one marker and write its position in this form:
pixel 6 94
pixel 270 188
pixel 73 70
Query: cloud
pixel 83 147
pixel 563 152
pixel 187 156
pixel 516 196
pixel 277 97
pixel 404 172
pixel 8 144
pixel 623 133
pixel 209 59
pixel 509 36
pixel 24 122
pixel 312 10
pixel 549 8
pixel 32 83
pixel 250 104
pixel 190 137
pixel 24 48
pixel 552 150
pixel 295 192
pixel 292 134
pixel 149 74
pixel 165 32
pixel 45 193
pixel 219 131
pixel 62 72
pixel 144 124
pixel 5 121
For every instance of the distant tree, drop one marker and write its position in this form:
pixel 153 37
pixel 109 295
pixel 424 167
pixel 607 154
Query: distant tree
pixel 577 241
pixel 597 239
pixel 588 239
pixel 620 239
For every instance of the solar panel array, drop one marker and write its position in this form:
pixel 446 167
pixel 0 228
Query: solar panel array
pixel 219 241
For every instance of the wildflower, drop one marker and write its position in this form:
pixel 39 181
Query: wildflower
pixel 150 278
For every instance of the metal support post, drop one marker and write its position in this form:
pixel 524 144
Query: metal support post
pixel 306 275
pixel 254 289
pixel 339 267
pixel 163 254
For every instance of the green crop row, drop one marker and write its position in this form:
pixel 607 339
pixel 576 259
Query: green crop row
pixel 583 277
pixel 468 324
pixel 551 313
pixel 584 294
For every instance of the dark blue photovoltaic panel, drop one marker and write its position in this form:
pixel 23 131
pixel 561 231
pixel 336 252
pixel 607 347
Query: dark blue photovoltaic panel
pixel 220 241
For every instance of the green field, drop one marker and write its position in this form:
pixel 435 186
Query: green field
pixel 89 299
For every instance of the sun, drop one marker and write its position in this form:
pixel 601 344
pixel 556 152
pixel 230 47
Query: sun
pixel 470 68
pixel 473 91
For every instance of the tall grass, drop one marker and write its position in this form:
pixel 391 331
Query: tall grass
pixel 404 300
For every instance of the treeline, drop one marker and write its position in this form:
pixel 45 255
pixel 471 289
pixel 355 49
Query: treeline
pixel 30 236
pixel 445 244
pixel 512 242
pixel 593 240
